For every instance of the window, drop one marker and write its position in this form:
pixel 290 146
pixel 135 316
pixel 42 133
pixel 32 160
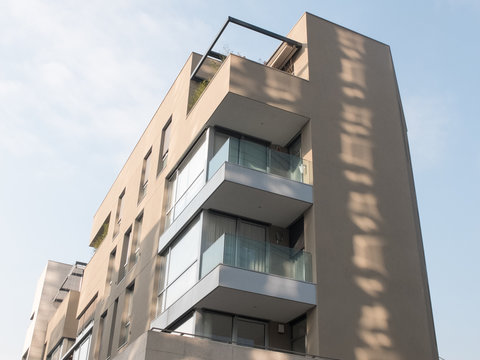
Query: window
pixel 112 328
pixel 134 252
pixel 125 251
pixel 249 332
pixel 179 272
pixel 145 175
pixel 240 330
pixel 162 161
pixel 217 326
pixel 56 354
pixel 111 264
pixel 118 216
pixel 296 236
pixel 299 332
pixel 81 353
pixel 126 316
pixel 187 180
pixel 100 336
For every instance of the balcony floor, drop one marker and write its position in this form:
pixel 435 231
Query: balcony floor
pixel 244 292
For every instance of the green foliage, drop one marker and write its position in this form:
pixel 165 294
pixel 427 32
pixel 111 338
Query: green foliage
pixel 101 234
pixel 201 86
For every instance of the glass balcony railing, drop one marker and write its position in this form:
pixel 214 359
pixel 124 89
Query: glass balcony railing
pixel 258 256
pixel 260 157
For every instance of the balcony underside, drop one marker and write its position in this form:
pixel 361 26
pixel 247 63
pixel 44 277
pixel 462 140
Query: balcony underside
pixel 244 292
pixel 253 99
pixel 257 119
pixel 248 193
pixel 259 196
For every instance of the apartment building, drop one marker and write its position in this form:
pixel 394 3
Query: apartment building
pixel 53 322
pixel 268 211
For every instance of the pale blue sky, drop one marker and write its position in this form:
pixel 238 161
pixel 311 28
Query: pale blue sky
pixel 71 71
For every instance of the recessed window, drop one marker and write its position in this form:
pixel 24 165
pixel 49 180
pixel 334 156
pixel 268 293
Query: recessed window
pixel 100 334
pixel 126 316
pixel 299 332
pixel 118 216
pixel 134 249
pixel 125 251
pixel 164 145
pixel 111 264
pixel 112 329
pixel 145 175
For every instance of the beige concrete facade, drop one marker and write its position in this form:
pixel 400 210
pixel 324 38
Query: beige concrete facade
pixel 360 226
pixel 44 308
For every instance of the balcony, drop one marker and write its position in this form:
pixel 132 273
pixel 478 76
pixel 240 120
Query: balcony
pixel 162 346
pixel 253 99
pixel 247 193
pixel 258 157
pixel 254 255
pixel 243 292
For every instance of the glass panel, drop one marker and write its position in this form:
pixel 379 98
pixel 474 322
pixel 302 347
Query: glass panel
pixel 259 157
pixel 253 155
pixel 182 182
pixel 280 164
pixel 181 285
pixel 251 231
pixel 215 226
pixel 218 141
pixel 299 330
pixel 218 159
pixel 190 177
pixel 82 352
pixel 189 194
pixel 184 252
pixel 250 252
pixel 213 256
pixel 217 326
pixel 187 327
pixel 280 261
pixel 257 256
pixel 160 304
pixel 234 150
pixel 250 333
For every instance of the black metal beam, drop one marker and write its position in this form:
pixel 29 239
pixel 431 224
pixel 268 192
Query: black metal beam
pixel 244 24
pixel 265 32
pixel 209 49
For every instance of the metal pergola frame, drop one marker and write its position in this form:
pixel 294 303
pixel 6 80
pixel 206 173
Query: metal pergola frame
pixel 244 24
